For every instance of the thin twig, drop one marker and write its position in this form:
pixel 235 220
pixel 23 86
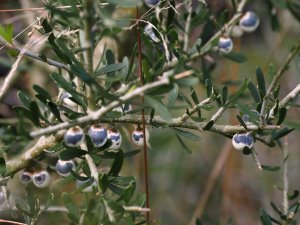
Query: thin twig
pixel 193 110
pixel 218 114
pixel 256 159
pixel 35 55
pixel 11 222
pixel 11 77
pixel 53 209
pixel 44 8
pixel 290 97
pixel 143 121
pixel 92 167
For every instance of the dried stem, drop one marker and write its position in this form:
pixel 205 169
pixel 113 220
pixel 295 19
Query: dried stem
pixel 285 203
pixel 146 177
pixel 11 77
pixel 188 26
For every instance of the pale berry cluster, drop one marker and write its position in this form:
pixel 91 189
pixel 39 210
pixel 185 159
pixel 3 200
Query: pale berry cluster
pixel 74 137
pixel 248 23
pixel 40 178
pixel 99 136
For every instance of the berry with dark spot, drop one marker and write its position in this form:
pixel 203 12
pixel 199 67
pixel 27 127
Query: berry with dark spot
pixel 240 141
pixel 98 135
pixel 249 21
pixel 74 136
pixel 41 179
pixel 25 176
pixel 138 136
pixel 115 137
pixel 225 44
pixel 64 168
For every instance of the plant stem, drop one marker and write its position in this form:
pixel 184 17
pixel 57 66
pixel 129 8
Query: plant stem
pixel 146 176
pixel 285 203
pixel 11 77
pixel 185 116
pixel 35 55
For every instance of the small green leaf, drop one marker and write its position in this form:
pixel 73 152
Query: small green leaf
pixel 27 114
pixel 117 164
pixel 56 148
pixel 160 108
pixel 276 209
pixel 270 168
pixel 2 166
pixel 279 3
pixel 110 68
pixel 71 153
pixel 67 86
pixel 54 109
pixel 31 200
pixel 35 113
pixel 63 48
pixel 131 64
pixel 82 74
pixel 209 88
pixel 294 195
pixel 187 134
pixel 261 83
pixel 272 72
pixel 7 32
pixel 103 182
pixel 173 95
pixel 235 57
pixel 242 122
pixel 254 92
pixel 42 92
pixel 183 145
pixel 131 153
pixel 208 125
pixel 281 133
pixel 281 116
pixel 224 95
pixel 265 218
pixel 24 98
pixel 242 89
pixel 245 109
pixel 190 81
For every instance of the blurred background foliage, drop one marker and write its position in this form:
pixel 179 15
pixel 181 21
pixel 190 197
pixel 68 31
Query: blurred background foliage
pixel 180 181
